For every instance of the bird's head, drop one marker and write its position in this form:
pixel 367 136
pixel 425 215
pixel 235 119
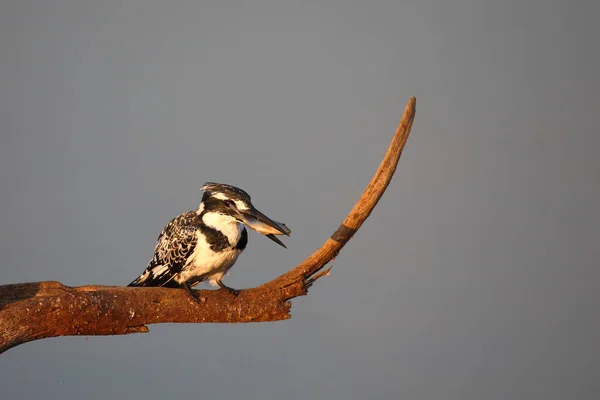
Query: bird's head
pixel 235 203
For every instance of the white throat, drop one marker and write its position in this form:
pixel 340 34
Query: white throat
pixel 226 224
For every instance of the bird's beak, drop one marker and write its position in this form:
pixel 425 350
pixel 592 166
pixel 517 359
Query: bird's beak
pixel 258 221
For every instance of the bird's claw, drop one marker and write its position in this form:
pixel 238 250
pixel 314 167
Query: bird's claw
pixel 223 286
pixel 191 293
pixel 233 291
pixel 195 298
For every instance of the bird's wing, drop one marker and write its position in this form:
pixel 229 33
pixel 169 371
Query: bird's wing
pixel 175 245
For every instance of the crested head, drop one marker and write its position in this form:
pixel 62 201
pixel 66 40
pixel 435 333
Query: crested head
pixel 232 204
pixel 221 191
pixel 225 200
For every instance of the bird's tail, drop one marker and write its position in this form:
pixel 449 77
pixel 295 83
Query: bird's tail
pixel 137 282
pixel 145 280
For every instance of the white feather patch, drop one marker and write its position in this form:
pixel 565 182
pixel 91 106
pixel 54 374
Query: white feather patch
pixel 228 225
pixel 204 261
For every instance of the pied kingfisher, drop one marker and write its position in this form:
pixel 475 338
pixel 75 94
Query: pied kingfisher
pixel 205 243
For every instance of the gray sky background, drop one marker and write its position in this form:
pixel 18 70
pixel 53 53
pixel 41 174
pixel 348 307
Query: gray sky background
pixel 475 278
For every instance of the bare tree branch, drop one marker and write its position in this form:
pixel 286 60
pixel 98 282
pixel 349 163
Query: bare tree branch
pixel 32 311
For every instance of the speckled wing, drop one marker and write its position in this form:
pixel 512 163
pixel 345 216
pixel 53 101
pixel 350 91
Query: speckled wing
pixel 175 245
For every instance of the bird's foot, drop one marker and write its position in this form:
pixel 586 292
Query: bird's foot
pixel 223 286
pixel 191 293
pixel 233 291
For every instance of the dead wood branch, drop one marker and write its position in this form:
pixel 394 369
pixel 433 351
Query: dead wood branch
pixel 32 311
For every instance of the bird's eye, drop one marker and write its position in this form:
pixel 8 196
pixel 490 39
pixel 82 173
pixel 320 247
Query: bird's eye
pixel 229 203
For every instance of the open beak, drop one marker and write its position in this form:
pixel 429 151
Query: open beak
pixel 258 221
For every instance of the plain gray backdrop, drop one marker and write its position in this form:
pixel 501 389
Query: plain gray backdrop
pixel 477 275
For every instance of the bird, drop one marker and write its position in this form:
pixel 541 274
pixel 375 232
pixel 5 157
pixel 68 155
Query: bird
pixel 204 244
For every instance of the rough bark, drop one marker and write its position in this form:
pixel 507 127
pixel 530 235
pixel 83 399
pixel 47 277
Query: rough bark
pixel 32 311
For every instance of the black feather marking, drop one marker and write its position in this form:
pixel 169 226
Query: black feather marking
pixel 241 244
pixel 216 239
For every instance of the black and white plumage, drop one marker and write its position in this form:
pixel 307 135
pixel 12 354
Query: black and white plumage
pixel 205 243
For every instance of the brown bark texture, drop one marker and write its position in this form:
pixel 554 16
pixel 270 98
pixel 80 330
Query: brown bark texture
pixel 37 310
